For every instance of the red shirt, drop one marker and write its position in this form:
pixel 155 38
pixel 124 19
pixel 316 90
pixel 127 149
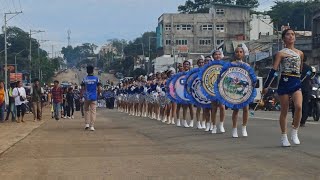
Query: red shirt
pixel 57 94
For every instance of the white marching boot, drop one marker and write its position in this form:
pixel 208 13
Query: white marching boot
pixel 191 123
pixel 214 129
pixel 203 126
pixel 221 128
pixel 172 121
pixel 235 133
pixel 199 125
pixel 185 124
pixel 294 136
pixel 244 131
pixel 164 119
pixel 208 127
pixel 178 123
pixel 284 141
pixel 211 126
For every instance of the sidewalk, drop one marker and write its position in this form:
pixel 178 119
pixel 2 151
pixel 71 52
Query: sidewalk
pixel 12 132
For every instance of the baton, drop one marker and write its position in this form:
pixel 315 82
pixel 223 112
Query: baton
pixel 307 74
pixel 252 112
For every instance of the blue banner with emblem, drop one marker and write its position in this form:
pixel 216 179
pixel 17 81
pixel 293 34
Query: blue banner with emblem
pixel 235 86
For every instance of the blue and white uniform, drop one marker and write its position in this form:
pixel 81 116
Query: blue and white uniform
pixel 290 73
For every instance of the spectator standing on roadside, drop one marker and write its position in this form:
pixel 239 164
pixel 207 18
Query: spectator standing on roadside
pixel 3 101
pixel 36 94
pixel 20 97
pixel 11 107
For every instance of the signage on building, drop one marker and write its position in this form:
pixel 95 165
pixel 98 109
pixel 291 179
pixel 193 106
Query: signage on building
pixel 15 77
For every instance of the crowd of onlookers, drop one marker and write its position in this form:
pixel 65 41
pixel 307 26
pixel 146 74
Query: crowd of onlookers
pixel 19 100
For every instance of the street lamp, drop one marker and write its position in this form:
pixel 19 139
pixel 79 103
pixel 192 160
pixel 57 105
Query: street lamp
pixel 15 63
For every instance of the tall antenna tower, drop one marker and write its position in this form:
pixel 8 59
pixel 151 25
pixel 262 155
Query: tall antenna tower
pixel 69 37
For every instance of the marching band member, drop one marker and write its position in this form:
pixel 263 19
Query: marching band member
pixel 239 56
pixel 289 85
pixel 206 120
pixel 186 67
pixel 215 104
pixel 178 106
pixel 163 99
pixel 170 109
pixel 206 112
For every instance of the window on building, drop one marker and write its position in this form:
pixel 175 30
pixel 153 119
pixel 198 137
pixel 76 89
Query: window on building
pixel 181 42
pixel 183 27
pixel 220 27
pixel 220 11
pixel 205 42
pixel 219 41
pixel 168 27
pixel 168 42
pixel 207 27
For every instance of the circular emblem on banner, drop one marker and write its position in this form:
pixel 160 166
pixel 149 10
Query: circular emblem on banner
pixel 189 78
pixel 236 85
pixel 208 76
pixel 197 97
pixel 179 87
pixel 170 92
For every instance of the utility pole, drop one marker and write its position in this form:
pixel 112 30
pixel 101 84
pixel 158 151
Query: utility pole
pixel 30 44
pixel 149 63
pixel 52 51
pixel 15 63
pixel 69 37
pixel 40 62
pixel 5 45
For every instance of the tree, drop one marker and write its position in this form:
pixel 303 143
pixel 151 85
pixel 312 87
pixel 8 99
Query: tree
pixel 140 45
pixel 18 40
pixel 79 53
pixel 284 12
pixel 250 3
pixel 201 6
pixel 118 44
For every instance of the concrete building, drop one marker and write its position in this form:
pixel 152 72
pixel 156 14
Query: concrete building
pixel 189 35
pixel 316 38
pixel 260 25
pixel 108 48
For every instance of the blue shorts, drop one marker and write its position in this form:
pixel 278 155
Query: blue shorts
pixel 288 85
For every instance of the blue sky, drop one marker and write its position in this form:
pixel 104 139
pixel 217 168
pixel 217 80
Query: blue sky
pixel 93 21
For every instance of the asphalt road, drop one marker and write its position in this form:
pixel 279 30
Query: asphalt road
pixel 126 147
